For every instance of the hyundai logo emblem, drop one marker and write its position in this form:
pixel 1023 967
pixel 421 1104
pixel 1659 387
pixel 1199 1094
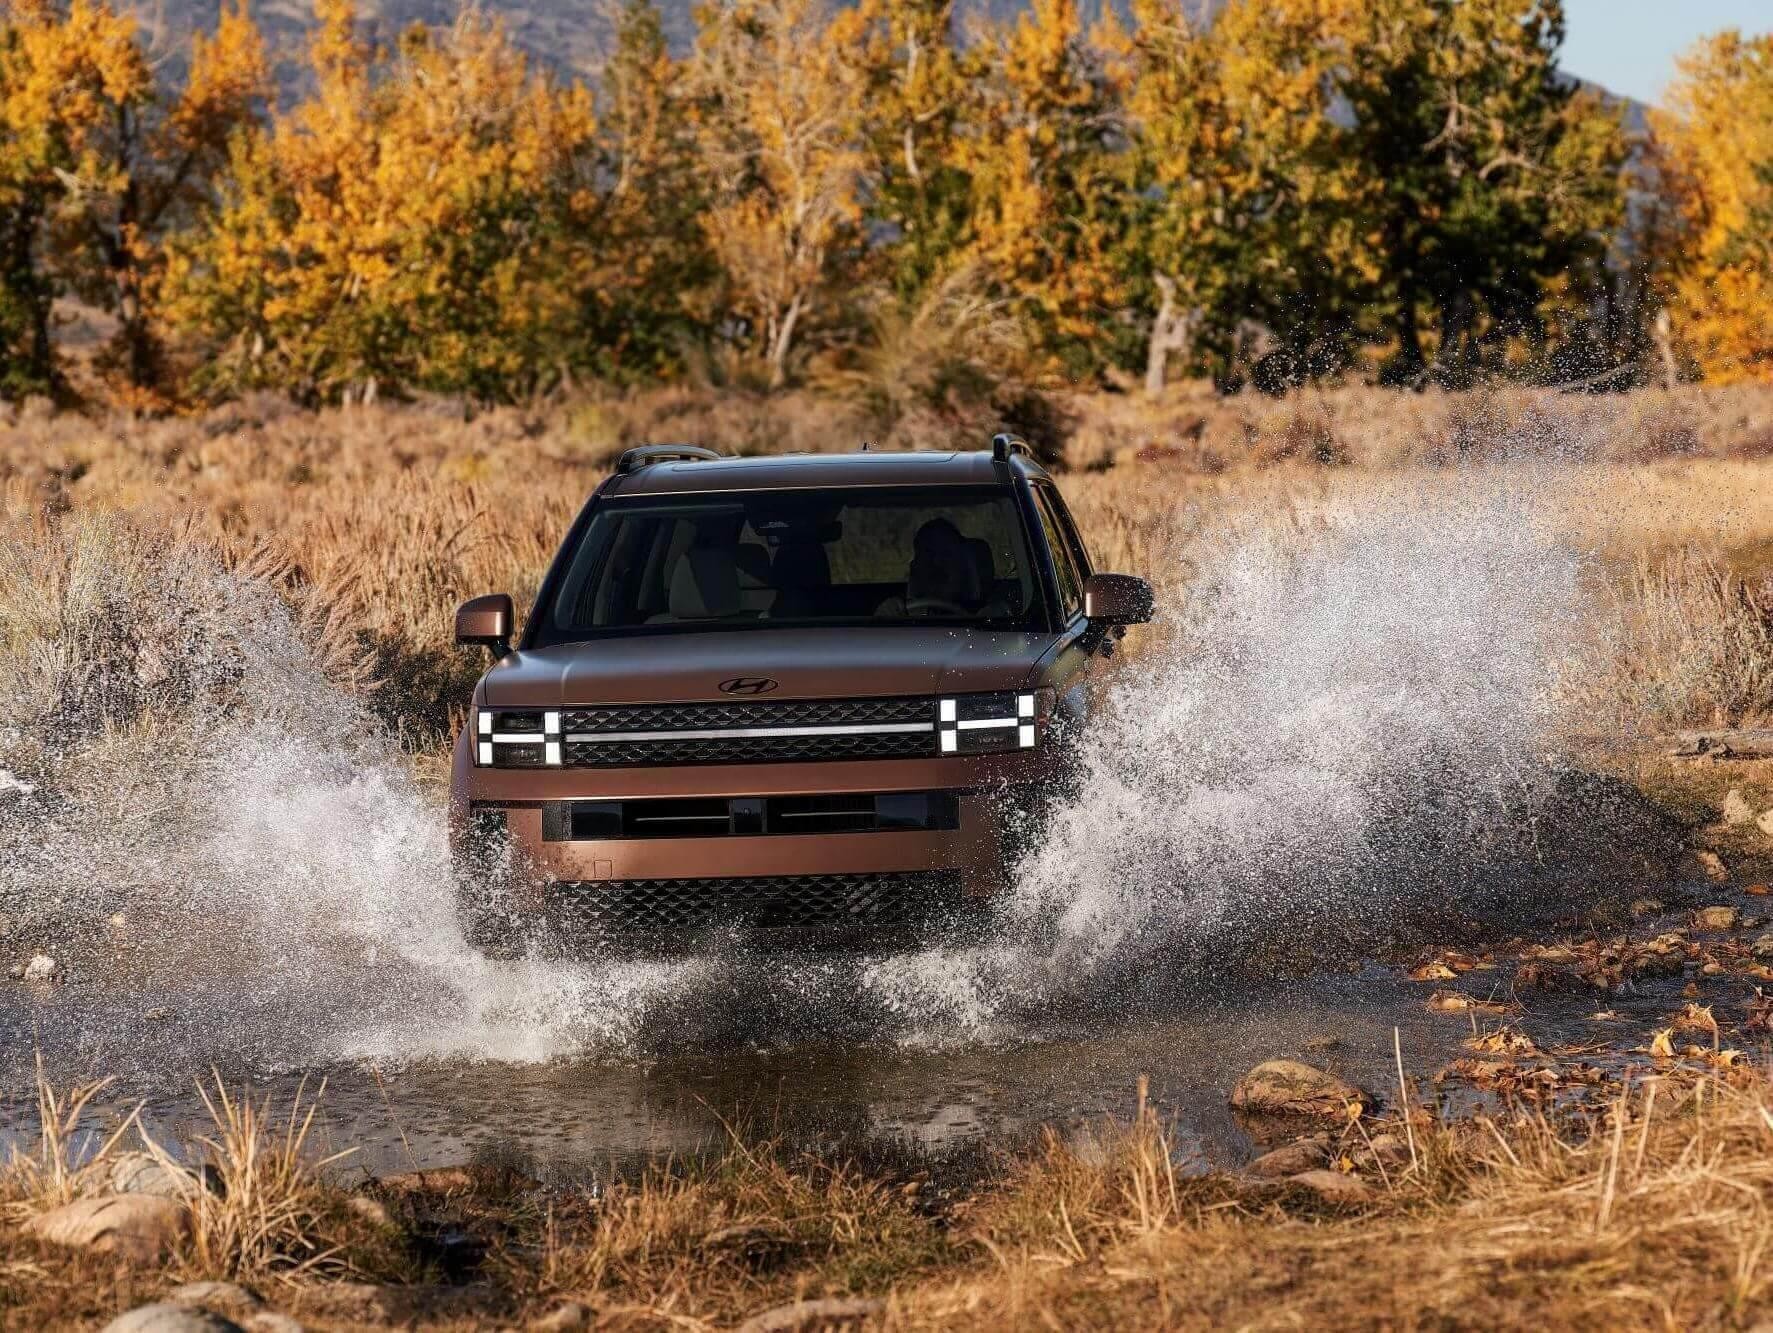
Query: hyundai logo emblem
pixel 747 685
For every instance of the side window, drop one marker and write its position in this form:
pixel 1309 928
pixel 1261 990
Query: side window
pixel 1079 552
pixel 1064 563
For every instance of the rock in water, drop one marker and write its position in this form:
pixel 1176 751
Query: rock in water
pixel 1716 918
pixel 41 968
pixel 1737 810
pixel 1292 1159
pixel 166 1317
pixel 141 1173
pixel 1334 1187
pixel 139 1226
pixel 1287 1087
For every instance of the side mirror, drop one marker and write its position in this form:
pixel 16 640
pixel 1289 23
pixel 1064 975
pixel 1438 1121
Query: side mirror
pixel 485 622
pixel 1117 599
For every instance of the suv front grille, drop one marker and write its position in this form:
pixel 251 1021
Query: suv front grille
pixel 758 902
pixel 737 733
pixel 783 713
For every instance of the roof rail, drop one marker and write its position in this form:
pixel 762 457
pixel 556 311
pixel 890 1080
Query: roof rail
pixel 1004 444
pixel 644 455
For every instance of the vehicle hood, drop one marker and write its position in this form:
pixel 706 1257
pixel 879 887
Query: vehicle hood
pixel 805 664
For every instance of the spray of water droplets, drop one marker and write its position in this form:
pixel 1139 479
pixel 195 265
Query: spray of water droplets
pixel 1343 719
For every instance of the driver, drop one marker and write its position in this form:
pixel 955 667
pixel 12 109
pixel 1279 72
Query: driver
pixel 943 579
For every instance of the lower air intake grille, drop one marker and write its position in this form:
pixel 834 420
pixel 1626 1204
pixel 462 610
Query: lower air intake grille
pixel 758 902
pixel 749 749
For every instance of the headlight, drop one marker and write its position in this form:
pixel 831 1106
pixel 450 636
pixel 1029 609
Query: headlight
pixel 992 723
pixel 517 738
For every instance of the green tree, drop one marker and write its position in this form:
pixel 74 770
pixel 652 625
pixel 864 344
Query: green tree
pixel 1246 203
pixel 1490 175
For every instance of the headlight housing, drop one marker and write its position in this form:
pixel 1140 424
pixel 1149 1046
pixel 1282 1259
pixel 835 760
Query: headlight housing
pixel 517 738
pixel 992 723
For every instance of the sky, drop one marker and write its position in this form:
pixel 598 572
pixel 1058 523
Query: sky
pixel 1629 46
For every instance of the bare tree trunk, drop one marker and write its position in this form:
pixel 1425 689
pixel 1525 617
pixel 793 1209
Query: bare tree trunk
pixel 1172 330
pixel 1664 331
pixel 784 339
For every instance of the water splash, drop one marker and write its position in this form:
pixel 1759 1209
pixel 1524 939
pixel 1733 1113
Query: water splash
pixel 1345 719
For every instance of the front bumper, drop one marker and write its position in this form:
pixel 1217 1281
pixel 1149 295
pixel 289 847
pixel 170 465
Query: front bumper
pixel 556 875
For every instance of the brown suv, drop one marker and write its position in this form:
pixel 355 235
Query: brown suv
pixel 818 691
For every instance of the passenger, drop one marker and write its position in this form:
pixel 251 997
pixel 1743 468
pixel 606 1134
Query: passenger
pixel 942 581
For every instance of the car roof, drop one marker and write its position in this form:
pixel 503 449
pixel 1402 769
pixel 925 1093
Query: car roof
pixel 773 472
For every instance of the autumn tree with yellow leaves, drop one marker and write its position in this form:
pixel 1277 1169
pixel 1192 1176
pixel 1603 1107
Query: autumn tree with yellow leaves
pixel 1051 198
pixel 99 161
pixel 1715 141
pixel 401 227
pixel 781 86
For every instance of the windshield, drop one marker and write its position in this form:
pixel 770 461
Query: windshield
pixel 887 556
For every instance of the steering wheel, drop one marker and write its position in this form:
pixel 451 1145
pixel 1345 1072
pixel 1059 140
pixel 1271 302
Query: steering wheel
pixel 930 606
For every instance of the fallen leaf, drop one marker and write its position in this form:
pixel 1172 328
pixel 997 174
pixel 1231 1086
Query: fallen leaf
pixel 1503 1041
pixel 1436 971
pixel 1662 1045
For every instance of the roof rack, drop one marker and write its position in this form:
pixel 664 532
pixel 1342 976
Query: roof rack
pixel 1003 445
pixel 632 460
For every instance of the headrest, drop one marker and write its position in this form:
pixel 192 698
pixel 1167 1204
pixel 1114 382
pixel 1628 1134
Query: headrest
pixel 801 564
pixel 983 565
pixel 753 561
pixel 705 584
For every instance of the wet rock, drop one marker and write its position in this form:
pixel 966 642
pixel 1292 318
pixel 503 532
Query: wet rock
pixel 229 1298
pixel 142 1173
pixel 1334 1187
pixel 1712 864
pixel 41 968
pixel 1736 809
pixel 1715 918
pixel 1765 823
pixel 1292 1159
pixel 831 1312
pixel 138 1226
pixel 562 1318
pixel 1288 1087
pixel 169 1317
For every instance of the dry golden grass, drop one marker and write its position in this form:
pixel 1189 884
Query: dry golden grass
pixel 374 522
pixel 1654 1212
